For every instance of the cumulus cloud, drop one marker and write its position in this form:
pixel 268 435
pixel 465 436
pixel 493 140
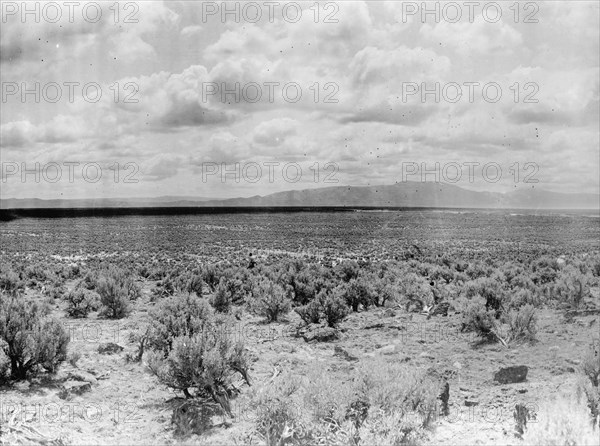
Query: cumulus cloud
pixel 362 57
pixel 474 39
pixel 273 133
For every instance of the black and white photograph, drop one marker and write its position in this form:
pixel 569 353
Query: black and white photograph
pixel 300 223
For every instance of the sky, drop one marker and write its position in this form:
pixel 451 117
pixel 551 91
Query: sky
pixel 214 99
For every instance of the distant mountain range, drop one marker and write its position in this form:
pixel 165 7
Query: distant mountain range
pixel 407 194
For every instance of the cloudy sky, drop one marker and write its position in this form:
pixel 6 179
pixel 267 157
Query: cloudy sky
pixel 341 97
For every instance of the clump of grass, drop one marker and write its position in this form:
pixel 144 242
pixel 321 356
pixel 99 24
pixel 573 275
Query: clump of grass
pixel 276 404
pixel 379 403
pixel 522 324
pixel 562 422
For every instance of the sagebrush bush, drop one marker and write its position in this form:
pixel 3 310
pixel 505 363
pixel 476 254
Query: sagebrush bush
pixel 270 299
pixel 55 292
pixel 305 290
pixel 522 297
pixel 29 341
pixel 334 306
pixel 164 288
pixel 223 297
pixel 311 312
pixel 347 270
pixel 356 293
pixel 477 269
pixel 211 276
pixel 192 351
pixel 477 318
pixel 571 287
pixel 179 315
pixel 81 302
pixel 442 273
pixel 191 283
pixel 545 270
pixel 204 363
pixel 10 284
pixel 116 289
pixel 384 292
pixel 415 292
pixel 491 290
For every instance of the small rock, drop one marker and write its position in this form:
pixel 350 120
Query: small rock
pixel 426 355
pixel 376 325
pixel 387 350
pixel 397 327
pixel 321 334
pixel 109 348
pixel 82 376
pixel 511 375
pixel 339 351
pixel 471 403
pixel 458 365
pixel 70 388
